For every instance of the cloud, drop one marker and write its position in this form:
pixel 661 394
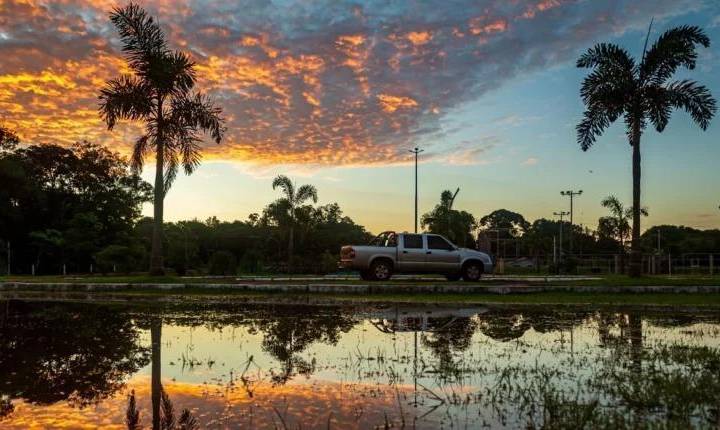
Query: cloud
pixel 530 161
pixel 331 82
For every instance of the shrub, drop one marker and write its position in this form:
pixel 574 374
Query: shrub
pixel 223 263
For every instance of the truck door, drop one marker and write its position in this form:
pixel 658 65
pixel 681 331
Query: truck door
pixel 441 255
pixel 411 253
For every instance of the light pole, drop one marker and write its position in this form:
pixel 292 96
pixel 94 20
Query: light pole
pixel 572 195
pixel 416 151
pixel 561 214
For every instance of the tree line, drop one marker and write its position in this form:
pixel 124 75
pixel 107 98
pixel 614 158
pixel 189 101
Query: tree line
pixel 78 209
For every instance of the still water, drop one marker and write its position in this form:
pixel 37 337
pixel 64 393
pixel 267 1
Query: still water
pixel 297 365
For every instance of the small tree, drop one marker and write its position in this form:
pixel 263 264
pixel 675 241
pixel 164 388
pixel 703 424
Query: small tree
pixel 291 202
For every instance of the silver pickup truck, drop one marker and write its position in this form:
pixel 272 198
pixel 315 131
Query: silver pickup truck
pixel 392 252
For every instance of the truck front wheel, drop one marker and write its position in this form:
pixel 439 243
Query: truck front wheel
pixel 380 270
pixel 472 271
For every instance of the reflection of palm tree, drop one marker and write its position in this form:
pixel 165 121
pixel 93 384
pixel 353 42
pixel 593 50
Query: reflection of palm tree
pixel 156 380
pixel 292 199
pixel 290 331
pixel 159 93
pixel 444 337
pixel 641 94
pixel 165 417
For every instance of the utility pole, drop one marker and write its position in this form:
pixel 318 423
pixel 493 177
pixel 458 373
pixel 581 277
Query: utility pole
pixel 561 214
pixel 572 195
pixel 416 151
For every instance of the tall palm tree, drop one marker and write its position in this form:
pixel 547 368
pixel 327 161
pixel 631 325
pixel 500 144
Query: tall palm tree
pixel 621 217
pixel 158 92
pixel 642 93
pixel 293 198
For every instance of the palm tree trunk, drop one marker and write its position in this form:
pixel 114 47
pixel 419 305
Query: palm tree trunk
pixel 156 258
pixel 635 253
pixel 156 381
pixel 291 248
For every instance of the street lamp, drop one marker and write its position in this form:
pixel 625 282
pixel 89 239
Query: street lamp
pixel 416 151
pixel 571 194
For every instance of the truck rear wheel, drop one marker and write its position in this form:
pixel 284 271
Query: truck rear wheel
pixel 381 270
pixel 472 271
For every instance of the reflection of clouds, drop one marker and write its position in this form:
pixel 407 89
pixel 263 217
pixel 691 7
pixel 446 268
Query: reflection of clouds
pixel 305 405
pixel 327 82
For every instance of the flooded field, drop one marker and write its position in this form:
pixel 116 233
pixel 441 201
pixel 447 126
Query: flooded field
pixel 291 365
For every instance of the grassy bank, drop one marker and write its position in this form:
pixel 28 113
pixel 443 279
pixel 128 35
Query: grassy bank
pixel 612 280
pixel 192 294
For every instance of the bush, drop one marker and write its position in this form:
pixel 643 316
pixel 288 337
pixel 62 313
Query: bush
pixel 223 263
pixel 328 263
pixel 119 258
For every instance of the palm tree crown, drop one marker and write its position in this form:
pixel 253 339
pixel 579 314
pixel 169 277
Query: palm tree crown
pixel 159 93
pixel 294 197
pixel 642 92
pixel 621 217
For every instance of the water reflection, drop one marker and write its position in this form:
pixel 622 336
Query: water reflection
pixel 277 365
pixel 51 352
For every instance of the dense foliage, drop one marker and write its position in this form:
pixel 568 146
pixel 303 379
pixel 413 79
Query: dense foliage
pixel 60 206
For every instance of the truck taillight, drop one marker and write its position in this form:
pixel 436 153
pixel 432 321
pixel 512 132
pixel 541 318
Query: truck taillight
pixel 349 252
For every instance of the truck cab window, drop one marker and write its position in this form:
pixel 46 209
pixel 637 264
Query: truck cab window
pixel 437 242
pixel 413 241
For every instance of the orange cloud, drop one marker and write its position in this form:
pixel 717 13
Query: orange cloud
pixel 392 103
pixel 419 37
pixel 481 25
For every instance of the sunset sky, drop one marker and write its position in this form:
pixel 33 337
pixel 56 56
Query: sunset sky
pixel 335 92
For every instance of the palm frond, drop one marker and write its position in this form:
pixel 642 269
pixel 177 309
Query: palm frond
pixel 124 98
pixel 695 99
pixel 675 48
pixel 190 155
pixel 182 70
pixel 143 39
pixel 132 415
pixel 286 185
pixel 197 112
pixel 594 122
pixel 658 106
pixel 171 168
pixel 187 421
pixel 306 192
pixel 614 205
pixel 607 56
pixel 167 410
pixel 138 156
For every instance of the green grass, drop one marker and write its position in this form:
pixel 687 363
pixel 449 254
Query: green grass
pixel 609 280
pixel 544 298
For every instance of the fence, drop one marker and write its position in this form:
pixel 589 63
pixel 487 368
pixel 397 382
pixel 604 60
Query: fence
pixel 606 264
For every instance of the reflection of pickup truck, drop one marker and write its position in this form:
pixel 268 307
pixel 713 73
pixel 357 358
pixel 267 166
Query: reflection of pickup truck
pixel 414 253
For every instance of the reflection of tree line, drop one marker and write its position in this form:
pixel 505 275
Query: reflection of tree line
pixel 82 354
